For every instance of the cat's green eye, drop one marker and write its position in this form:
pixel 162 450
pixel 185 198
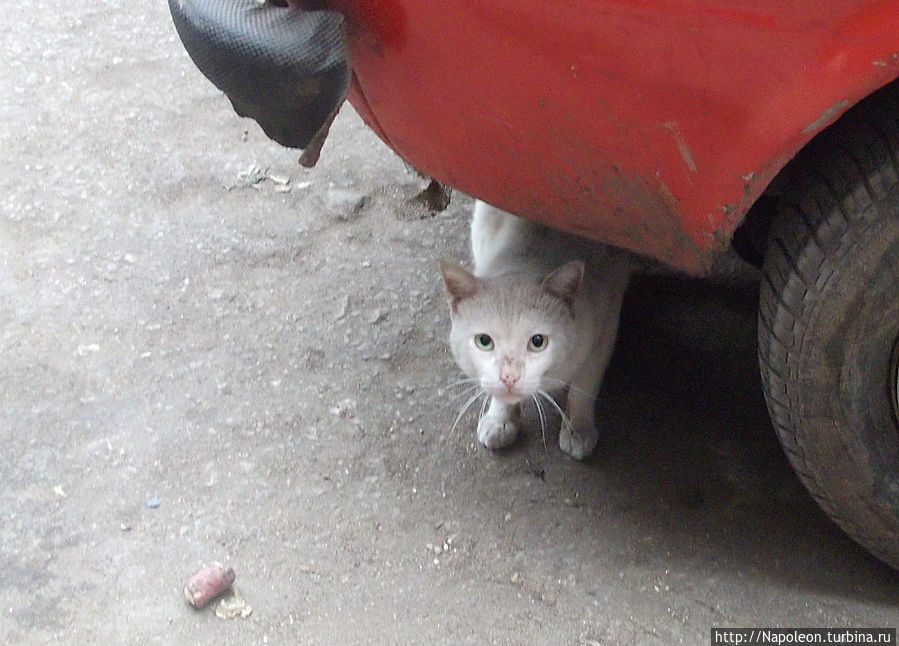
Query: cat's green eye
pixel 537 343
pixel 483 342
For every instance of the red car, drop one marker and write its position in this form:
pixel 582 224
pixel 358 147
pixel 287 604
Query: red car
pixel 671 128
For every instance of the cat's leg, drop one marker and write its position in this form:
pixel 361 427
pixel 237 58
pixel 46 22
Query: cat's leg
pixel 499 425
pixel 578 435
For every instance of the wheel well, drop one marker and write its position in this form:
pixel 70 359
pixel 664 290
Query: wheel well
pixel 751 237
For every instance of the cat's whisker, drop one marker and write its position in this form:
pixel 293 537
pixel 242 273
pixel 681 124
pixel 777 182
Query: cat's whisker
pixel 460 396
pixel 552 401
pixel 467 384
pixel 542 415
pixel 461 382
pixel 468 404
pixel 483 407
pixel 563 385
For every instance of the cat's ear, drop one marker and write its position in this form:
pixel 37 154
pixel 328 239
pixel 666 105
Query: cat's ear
pixel 459 282
pixel 565 281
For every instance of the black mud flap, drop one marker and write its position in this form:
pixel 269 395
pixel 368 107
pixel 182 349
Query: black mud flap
pixel 286 68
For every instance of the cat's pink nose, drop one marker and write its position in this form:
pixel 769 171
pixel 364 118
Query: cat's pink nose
pixel 509 380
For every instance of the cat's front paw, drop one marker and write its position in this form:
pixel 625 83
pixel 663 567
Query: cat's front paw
pixel 496 433
pixel 578 442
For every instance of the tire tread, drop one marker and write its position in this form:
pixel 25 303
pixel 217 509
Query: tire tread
pixel 835 189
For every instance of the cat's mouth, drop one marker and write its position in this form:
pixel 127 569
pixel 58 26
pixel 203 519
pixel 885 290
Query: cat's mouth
pixel 508 396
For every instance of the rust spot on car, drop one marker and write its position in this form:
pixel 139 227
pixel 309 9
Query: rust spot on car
pixel 826 117
pixel 887 61
pixel 686 153
pixel 649 220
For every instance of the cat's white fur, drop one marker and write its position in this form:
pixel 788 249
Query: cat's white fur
pixel 532 280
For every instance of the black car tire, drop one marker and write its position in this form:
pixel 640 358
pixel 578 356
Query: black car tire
pixel 829 322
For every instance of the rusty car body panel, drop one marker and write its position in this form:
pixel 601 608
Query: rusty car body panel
pixel 650 124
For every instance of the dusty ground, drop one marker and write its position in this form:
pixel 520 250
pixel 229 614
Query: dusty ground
pixel 207 352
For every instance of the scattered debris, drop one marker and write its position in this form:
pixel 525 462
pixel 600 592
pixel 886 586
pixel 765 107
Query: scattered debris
pixel 375 316
pixel 208 583
pixel 282 184
pixel 254 176
pixel 345 408
pixel 345 203
pixel 437 549
pixel 436 196
pixel 250 177
pixel 536 468
pixel 232 606
pixel 86 348
pixel 344 306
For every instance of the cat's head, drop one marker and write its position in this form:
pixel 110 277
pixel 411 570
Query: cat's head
pixel 513 335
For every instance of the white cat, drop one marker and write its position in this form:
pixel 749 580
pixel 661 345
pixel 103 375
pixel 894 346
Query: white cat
pixel 539 312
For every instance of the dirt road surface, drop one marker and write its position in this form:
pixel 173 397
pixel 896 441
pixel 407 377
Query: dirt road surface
pixel 210 353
